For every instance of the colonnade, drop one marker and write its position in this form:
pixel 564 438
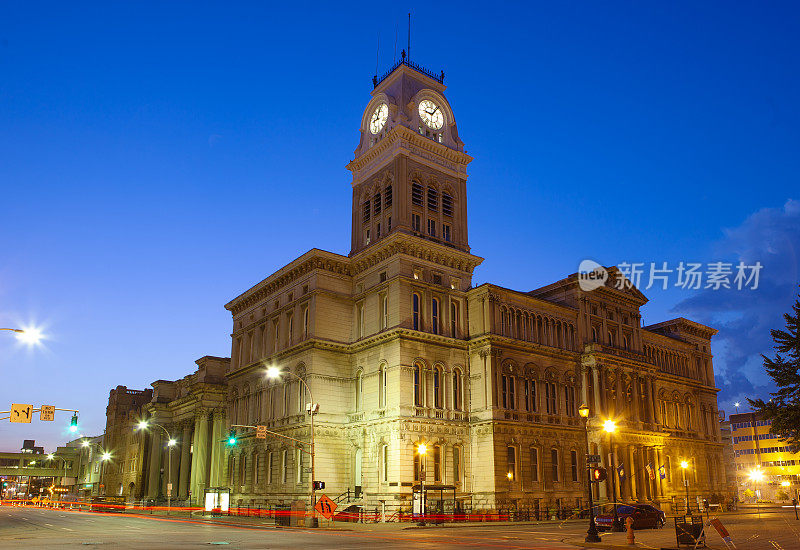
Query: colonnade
pixel 196 457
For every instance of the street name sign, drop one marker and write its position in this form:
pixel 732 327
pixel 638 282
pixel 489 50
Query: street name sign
pixel 21 413
pixel 48 413
pixel 592 458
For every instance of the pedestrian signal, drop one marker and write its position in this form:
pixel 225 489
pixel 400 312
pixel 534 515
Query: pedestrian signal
pixel 598 474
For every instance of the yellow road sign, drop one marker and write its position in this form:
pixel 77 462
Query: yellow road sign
pixel 261 432
pixel 21 413
pixel 48 413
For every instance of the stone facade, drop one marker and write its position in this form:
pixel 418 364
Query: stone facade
pixel 399 348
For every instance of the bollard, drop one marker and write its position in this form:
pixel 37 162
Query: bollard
pixel 629 527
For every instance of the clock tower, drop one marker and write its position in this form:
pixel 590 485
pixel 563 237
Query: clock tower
pixel 410 167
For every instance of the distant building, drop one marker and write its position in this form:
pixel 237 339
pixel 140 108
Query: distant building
pixel 90 451
pixel 757 450
pixel 729 459
pixel 26 470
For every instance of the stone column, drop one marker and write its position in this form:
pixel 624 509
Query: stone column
pixel 633 470
pixel 200 457
pixel 185 462
pixel 598 409
pixel 636 414
pixel 154 467
pixel 216 448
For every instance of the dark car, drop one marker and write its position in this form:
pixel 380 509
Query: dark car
pixel 644 516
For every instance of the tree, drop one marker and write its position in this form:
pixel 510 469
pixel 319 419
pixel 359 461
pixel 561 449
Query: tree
pixel 784 407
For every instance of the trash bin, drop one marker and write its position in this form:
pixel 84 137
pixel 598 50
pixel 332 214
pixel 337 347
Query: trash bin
pixel 689 531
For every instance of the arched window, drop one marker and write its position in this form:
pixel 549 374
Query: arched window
pixel 594 334
pixel 385 312
pixel 437 387
pixel 416 194
pixel 435 315
pixel 433 199
pixel 382 385
pixel 417 384
pixel 286 399
pixel 415 310
pixel 457 392
pixel 290 331
pixel 305 323
pixel 360 320
pixel 453 320
pixel 359 390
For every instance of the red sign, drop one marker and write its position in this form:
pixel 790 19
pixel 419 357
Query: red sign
pixel 325 506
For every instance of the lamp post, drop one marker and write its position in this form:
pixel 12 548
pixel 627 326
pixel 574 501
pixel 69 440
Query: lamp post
pixel 52 456
pixel 170 444
pixel 609 426
pixel 756 476
pixel 591 534
pixel 104 458
pixel 275 372
pixel 422 450
pixel 684 467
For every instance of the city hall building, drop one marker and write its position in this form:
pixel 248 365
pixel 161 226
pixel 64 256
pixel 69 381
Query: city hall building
pixel 399 349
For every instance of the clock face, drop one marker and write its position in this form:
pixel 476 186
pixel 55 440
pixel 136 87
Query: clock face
pixel 378 118
pixel 431 114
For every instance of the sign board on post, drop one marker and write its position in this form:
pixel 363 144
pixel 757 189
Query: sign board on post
pixel 21 413
pixel 325 506
pixel 47 413
pixel 169 489
pixel 261 432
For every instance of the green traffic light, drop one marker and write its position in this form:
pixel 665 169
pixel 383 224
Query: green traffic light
pixel 232 438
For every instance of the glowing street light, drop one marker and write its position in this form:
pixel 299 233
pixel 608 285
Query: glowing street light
pixel 422 450
pixel 737 406
pixel 85 443
pixel 609 426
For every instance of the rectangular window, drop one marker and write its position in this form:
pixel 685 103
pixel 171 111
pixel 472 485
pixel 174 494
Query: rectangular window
pixel 284 465
pixel 437 463
pixel 360 320
pixel 550 397
pixel 256 466
pixel 415 311
pixel 366 211
pixel 446 232
pixel 456 465
pixel 554 463
pixel 573 458
pixel 378 231
pixel 385 463
pixel 384 311
pixel 453 320
pixel 298 466
pixel 387 196
pixel 388 224
pixel 416 223
pixel 270 467
pixel 416 194
pixel 376 203
pixel 534 464
pixel 435 315
pixel 569 401
pixel 447 204
pixel 432 228
pixel 511 457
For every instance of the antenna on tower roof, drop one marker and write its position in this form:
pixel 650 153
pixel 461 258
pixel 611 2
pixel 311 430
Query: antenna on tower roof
pixel 408 49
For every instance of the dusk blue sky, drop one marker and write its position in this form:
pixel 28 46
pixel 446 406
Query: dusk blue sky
pixel 157 160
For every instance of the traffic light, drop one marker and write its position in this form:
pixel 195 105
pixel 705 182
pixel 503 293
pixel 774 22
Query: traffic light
pixel 232 438
pixel 598 474
pixel 319 485
pixel 73 424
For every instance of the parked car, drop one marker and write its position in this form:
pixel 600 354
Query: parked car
pixel 644 516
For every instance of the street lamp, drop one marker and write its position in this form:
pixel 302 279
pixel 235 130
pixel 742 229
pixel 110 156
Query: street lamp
pixel 30 336
pixel 737 407
pixel 609 426
pixel 591 534
pixel 422 450
pixel 684 467
pixel 275 372
pixel 106 456
pixel 53 456
pixel 143 425
pixel 756 476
